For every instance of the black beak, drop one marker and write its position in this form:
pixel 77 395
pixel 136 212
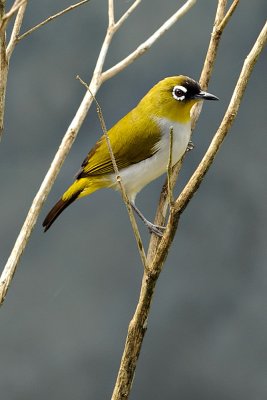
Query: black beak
pixel 205 96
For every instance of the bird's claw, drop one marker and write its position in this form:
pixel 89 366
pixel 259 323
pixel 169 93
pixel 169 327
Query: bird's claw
pixel 190 146
pixel 156 229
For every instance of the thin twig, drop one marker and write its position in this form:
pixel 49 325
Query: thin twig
pixel 16 5
pixel 228 15
pixel 126 14
pixel 3 70
pixel 51 18
pixel 111 17
pixel 169 170
pixel 118 178
pixel 210 58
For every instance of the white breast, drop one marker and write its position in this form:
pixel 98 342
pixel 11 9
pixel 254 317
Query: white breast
pixel 139 175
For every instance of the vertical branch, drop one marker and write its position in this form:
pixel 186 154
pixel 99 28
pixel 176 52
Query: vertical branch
pixel 3 68
pixel 135 335
pixel 6 51
pixel 169 170
pixel 221 19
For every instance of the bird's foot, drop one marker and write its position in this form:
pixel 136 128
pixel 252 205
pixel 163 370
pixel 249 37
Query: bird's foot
pixel 190 146
pixel 156 229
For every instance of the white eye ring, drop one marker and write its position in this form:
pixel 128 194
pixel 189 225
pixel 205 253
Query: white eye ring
pixel 176 89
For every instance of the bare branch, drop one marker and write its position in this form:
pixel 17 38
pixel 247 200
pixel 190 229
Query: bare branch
pixel 126 14
pixel 51 18
pixel 3 69
pixel 149 42
pixel 13 9
pixel 228 15
pixel 5 53
pixel 169 170
pixel 210 57
pixel 16 29
pixel 111 17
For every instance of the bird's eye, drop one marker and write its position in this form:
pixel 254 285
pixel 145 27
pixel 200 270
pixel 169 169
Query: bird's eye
pixel 179 92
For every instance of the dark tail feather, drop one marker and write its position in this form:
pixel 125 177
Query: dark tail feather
pixel 57 210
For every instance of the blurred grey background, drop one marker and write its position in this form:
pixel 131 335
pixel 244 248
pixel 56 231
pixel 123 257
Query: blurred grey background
pixel 65 318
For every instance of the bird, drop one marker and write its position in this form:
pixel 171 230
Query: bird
pixel 140 142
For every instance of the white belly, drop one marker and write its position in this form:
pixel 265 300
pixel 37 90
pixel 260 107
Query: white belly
pixel 140 174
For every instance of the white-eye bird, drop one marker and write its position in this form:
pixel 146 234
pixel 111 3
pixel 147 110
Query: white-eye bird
pixel 141 144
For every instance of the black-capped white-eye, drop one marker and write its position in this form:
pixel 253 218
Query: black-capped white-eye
pixel 179 92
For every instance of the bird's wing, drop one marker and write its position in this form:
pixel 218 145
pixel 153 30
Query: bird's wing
pixel 133 139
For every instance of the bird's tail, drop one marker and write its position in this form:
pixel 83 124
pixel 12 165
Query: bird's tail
pixel 57 210
pixel 80 188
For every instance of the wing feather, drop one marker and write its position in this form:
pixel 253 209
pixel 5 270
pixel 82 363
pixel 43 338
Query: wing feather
pixel 133 139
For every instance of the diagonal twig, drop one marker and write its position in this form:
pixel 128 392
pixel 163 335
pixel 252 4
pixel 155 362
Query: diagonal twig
pixel 51 18
pixel 228 15
pixel 169 170
pixel 126 14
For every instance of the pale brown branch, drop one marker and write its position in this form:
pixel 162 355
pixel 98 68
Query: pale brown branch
pixel 16 5
pixel 210 57
pixel 16 29
pixel 228 15
pixel 169 171
pixel 111 17
pixel 6 51
pixel 126 14
pixel 51 18
pixel 3 69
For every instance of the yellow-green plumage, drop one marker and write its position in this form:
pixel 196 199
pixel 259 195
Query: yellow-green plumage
pixel 139 142
pixel 129 145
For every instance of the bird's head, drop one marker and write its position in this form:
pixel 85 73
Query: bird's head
pixel 173 98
